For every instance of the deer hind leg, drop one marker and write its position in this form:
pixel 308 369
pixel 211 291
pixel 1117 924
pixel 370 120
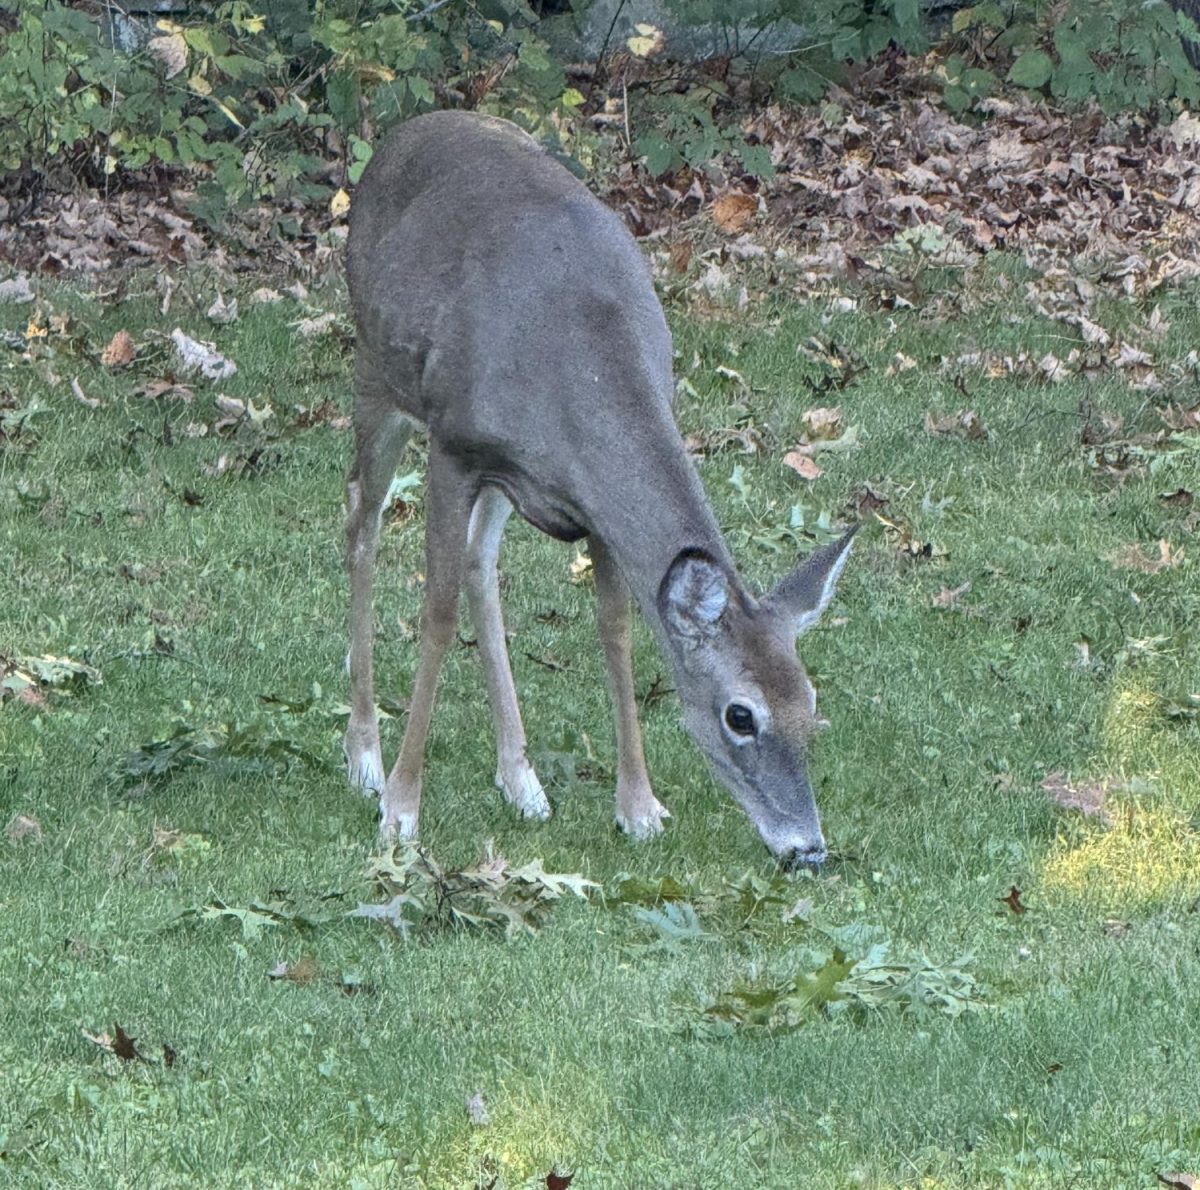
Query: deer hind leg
pixel 639 813
pixel 448 496
pixel 366 489
pixel 514 774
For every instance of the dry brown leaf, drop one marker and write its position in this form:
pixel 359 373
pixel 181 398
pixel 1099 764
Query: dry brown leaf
pixel 1134 557
pixel 965 423
pixel 948 597
pixel 1013 900
pixel 822 423
pixel 1179 1181
pixel 1181 420
pixel 120 351
pixel 681 255
pixel 303 971
pixel 868 499
pixel 171 50
pixel 118 1043
pixel 803 466
pixel 166 390
pixel 732 213
pixel 1088 797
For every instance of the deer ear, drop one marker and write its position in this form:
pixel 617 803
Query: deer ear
pixel 806 592
pixel 692 597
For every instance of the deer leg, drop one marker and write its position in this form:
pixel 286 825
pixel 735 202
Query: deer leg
pixel 366 489
pixel 639 813
pixel 448 497
pixel 514 774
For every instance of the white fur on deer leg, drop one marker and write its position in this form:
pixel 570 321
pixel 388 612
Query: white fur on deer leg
pixel 366 773
pixel 364 763
pixel 521 788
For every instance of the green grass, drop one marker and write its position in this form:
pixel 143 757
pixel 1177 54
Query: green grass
pixel 1080 1071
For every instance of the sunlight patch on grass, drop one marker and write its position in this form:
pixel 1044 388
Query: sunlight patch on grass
pixel 1148 857
pixel 525 1137
pixel 1149 854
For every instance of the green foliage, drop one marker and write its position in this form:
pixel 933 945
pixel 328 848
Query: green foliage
pixel 834 984
pixel 245 746
pixel 1122 54
pixel 253 106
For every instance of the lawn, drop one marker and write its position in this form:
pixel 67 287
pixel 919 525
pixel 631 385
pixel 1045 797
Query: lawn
pixel 181 827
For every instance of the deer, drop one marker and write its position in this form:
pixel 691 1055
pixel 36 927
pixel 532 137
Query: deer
pixel 503 308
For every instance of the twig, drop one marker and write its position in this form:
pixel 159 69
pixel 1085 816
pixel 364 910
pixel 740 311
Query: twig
pixel 608 37
pixel 429 8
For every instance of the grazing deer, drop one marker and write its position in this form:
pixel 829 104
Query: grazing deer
pixel 501 305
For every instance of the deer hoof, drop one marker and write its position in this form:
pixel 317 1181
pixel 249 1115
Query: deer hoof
pixel 522 789
pixel 398 828
pixel 645 822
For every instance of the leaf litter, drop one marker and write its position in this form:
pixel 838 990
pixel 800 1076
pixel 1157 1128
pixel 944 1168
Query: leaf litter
pixel 418 895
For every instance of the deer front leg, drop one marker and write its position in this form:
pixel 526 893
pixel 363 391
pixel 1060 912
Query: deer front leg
pixel 639 813
pixel 379 449
pixel 447 505
pixel 514 774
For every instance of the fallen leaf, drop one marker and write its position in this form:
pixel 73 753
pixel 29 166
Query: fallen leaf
pixel 166 390
pixel 681 255
pixel 120 351
pixel 1180 498
pixel 847 441
pixel 900 363
pixel 339 204
pixel 169 1055
pixel 171 50
pixel 222 312
pixel 1013 900
pixel 822 423
pixel 580 569
pixel 309 328
pixel 803 465
pixel 1180 420
pixel 964 424
pixel 24 828
pixel 119 1043
pixel 124 1046
pixel 16 290
pixel 647 41
pixel 1134 557
pixel 558 1181
pixel 732 213
pixel 202 357
pixel 1114 927
pixel 303 971
pixel 948 597
pixel 1087 797
pixel 868 499
pixel 82 397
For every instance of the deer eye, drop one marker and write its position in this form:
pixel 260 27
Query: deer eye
pixel 739 719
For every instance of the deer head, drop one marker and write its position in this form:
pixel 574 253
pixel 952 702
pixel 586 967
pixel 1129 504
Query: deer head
pixel 747 700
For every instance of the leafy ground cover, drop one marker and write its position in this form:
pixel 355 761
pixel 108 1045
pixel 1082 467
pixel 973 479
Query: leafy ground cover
pixel 992 982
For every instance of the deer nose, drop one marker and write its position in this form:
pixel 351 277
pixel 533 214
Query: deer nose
pixel 803 855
